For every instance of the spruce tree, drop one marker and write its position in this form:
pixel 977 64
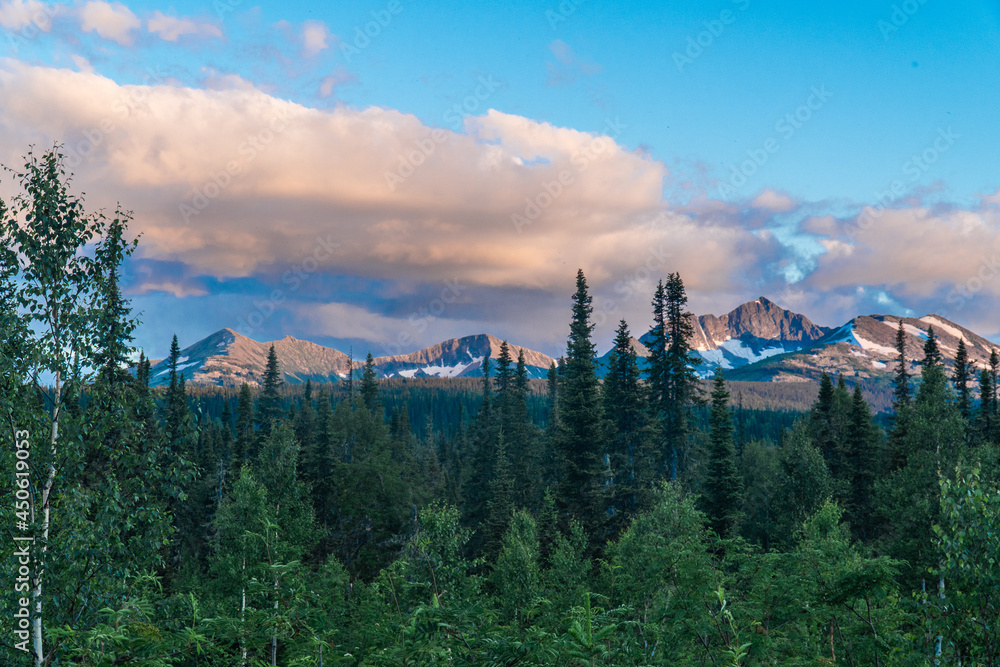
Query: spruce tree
pixel 985 416
pixel 630 432
pixel 246 436
pixel 552 393
pixel 961 378
pixel 504 379
pixel 500 503
pixel 524 440
pixel 932 353
pixel 114 324
pixel 901 384
pixel 682 383
pixel 863 461
pixel 580 439
pixel 369 386
pixel 269 405
pixel 723 486
pixel 994 371
pixel 657 368
pixel 476 477
pixel 176 409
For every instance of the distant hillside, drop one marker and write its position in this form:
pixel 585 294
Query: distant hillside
pixel 228 358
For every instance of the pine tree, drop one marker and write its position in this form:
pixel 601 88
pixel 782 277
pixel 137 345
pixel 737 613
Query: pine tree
pixel 630 439
pixel 934 439
pixel 269 405
pixel 369 386
pixel 115 327
pixel 863 461
pixel 985 416
pixel 657 365
pixel 961 378
pixel 580 439
pixel 682 383
pixel 932 353
pixel 246 436
pixel 552 393
pixel 901 393
pixel 500 503
pixel 994 371
pixel 176 409
pixel 505 374
pixel 476 478
pixel 524 440
pixel 723 486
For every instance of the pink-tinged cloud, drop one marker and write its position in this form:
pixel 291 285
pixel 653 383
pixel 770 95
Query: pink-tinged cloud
pixel 774 201
pixel 110 20
pixel 233 181
pixel 339 77
pixel 314 38
pixel 172 28
pixel 16 15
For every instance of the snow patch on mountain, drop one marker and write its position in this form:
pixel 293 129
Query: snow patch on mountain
pixel 738 352
pixel 872 347
pixel 930 319
pixel 914 331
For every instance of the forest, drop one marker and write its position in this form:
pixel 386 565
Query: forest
pixel 636 520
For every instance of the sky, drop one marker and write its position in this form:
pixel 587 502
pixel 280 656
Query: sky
pixel 383 175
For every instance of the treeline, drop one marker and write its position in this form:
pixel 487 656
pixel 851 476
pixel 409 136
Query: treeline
pixel 632 521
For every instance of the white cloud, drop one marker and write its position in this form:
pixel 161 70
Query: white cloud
pixel 264 178
pixel 774 201
pixel 112 21
pixel 82 63
pixel 17 15
pixel 171 28
pixel 314 36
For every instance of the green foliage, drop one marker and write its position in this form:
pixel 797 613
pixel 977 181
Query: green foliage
pixel 205 535
pixel 723 488
pixel 580 437
pixel 968 605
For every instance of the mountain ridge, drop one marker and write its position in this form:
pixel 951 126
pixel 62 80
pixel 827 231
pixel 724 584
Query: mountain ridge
pixel 758 340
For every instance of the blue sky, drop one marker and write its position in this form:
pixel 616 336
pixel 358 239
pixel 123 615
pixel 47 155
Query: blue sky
pixel 742 141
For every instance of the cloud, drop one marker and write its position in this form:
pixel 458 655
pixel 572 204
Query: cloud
pixel 17 15
pixel 233 183
pixel 314 36
pixel 81 63
pixel 338 77
pixel 506 201
pixel 112 21
pixel 171 28
pixel 774 201
pixel 341 320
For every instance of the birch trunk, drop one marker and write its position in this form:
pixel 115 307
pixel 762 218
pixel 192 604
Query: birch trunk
pixel 36 588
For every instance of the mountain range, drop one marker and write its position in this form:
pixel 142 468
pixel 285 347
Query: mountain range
pixel 758 340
